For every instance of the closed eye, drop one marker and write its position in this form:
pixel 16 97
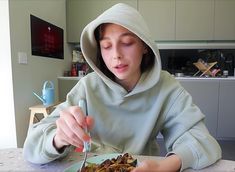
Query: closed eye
pixel 127 43
pixel 105 47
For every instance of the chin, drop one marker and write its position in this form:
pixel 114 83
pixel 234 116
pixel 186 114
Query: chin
pixel 120 77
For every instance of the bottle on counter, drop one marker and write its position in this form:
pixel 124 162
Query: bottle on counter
pixel 74 70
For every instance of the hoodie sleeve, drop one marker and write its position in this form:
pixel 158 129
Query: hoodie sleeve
pixel 186 135
pixel 38 147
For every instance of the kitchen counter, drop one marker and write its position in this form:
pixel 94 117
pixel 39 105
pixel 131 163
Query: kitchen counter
pixel 12 160
pixel 230 78
pixel 76 78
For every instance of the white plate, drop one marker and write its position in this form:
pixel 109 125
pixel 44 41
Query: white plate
pixel 96 159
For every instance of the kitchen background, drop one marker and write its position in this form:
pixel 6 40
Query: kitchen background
pixel 176 61
pixel 181 60
pixel 185 31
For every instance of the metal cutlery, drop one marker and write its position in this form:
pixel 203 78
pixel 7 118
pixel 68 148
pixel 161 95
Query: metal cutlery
pixel 87 145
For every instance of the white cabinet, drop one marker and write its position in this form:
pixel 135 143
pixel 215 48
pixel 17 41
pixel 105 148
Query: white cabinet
pixel 215 98
pixel 224 20
pixel 160 17
pixel 178 20
pixel 80 12
pixel 205 94
pixel 226 115
pixel 194 19
pixel 109 3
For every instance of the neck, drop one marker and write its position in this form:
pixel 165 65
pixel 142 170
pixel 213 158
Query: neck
pixel 128 84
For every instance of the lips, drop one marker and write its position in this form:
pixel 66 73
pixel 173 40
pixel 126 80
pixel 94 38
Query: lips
pixel 121 67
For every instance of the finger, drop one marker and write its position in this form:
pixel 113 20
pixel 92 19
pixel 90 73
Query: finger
pixel 78 115
pixel 66 134
pixel 74 126
pixel 69 141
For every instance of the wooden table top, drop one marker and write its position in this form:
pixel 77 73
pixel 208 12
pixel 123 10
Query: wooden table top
pixel 12 160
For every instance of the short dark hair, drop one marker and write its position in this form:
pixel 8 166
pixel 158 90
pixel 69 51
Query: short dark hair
pixel 146 64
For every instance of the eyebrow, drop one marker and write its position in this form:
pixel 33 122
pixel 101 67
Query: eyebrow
pixel 122 35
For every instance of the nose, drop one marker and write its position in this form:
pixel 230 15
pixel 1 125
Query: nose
pixel 117 53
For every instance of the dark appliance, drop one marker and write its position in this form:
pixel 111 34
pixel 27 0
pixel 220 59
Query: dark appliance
pixel 47 40
pixel 179 61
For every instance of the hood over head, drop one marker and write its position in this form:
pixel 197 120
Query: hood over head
pixel 129 18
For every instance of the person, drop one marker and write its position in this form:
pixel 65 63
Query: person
pixel 129 99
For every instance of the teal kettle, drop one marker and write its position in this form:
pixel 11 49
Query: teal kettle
pixel 48 93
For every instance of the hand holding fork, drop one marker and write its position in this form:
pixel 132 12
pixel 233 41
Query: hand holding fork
pixel 87 144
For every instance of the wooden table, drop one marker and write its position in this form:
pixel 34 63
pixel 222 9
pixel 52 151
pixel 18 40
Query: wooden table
pixel 12 160
pixel 40 109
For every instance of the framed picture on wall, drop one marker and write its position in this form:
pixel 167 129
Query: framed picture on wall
pixel 47 40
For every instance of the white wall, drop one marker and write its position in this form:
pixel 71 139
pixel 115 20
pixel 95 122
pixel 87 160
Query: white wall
pixel 7 122
pixel 30 77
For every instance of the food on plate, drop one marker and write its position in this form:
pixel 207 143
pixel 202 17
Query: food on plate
pixel 122 163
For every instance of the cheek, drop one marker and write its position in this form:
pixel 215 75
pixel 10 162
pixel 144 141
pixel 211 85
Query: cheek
pixel 134 51
pixel 135 54
pixel 104 54
pixel 138 58
pixel 106 57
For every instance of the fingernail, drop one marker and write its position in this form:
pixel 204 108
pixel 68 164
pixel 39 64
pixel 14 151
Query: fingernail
pixel 86 138
pixel 79 149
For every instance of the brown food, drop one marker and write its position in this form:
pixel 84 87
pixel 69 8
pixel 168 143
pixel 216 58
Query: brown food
pixel 123 163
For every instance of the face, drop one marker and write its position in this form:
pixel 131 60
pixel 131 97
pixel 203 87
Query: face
pixel 122 52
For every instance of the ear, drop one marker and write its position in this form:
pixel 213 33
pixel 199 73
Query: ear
pixel 145 50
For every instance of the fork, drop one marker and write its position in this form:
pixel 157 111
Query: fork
pixel 87 145
pixel 84 161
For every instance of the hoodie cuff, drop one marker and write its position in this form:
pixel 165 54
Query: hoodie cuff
pixel 50 151
pixel 186 156
pixel 49 147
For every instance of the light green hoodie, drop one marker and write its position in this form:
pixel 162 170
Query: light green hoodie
pixel 130 122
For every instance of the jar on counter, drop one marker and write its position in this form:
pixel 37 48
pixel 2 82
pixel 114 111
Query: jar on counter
pixel 225 73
